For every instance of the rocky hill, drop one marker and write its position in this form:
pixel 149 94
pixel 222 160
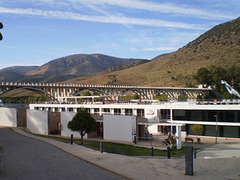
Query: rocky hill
pixel 21 69
pixel 220 46
pixel 61 69
pixel 10 76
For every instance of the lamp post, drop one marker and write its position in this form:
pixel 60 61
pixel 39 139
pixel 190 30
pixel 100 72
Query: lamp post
pixel 216 116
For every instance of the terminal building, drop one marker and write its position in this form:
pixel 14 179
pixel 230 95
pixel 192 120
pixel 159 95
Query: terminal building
pixel 219 119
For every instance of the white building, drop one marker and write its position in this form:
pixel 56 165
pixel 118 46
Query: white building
pixel 164 117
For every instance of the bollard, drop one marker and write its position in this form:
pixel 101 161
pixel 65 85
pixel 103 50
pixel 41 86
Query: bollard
pixel 152 151
pixel 135 139
pixel 195 154
pixel 101 146
pixel 169 152
pixel 189 160
pixel 71 138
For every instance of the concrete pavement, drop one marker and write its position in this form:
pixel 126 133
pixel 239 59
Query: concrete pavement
pixel 222 166
pixel 226 150
pixel 24 158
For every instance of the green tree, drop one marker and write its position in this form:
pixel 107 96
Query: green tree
pixel 203 76
pixel 83 123
pixel 197 128
pixel 86 93
pixel 173 140
pixel 136 96
pixel 217 74
pixel 233 76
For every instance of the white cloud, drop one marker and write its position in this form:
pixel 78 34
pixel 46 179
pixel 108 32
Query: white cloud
pixel 106 6
pixel 161 8
pixel 103 19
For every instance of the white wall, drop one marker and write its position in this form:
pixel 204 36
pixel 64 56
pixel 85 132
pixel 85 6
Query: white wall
pixel 117 127
pixel 37 121
pixel 8 117
pixel 153 129
pixel 65 118
pixel 151 114
pixel 179 135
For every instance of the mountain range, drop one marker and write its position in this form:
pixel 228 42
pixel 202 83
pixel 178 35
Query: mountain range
pixel 220 46
pixel 65 68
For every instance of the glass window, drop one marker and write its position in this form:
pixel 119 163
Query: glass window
pixel 165 114
pixel 229 131
pixel 96 110
pixel 140 112
pixel 106 110
pixel 222 131
pixel 210 131
pixel 117 111
pixel 129 112
pixel 207 115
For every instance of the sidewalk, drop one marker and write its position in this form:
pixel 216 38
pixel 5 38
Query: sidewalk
pixel 151 167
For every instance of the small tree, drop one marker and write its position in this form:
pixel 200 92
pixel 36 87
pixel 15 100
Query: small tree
pixel 83 123
pixel 197 128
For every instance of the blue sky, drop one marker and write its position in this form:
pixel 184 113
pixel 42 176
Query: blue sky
pixel 37 31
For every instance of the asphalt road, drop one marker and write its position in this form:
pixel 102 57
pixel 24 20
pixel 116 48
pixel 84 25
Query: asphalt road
pixel 23 158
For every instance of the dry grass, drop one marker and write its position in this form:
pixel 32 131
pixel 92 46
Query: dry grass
pixel 220 47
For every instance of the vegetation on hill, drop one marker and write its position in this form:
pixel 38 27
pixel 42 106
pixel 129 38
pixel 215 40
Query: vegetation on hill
pixel 69 67
pixel 9 76
pixel 23 99
pixel 21 69
pixel 213 75
pixel 121 67
pixel 73 66
pixel 220 46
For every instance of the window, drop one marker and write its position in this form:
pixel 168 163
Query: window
pixel 106 110
pixel 117 111
pixel 222 131
pixel 129 112
pixel 140 112
pixel 207 115
pixel 96 110
pixel 165 114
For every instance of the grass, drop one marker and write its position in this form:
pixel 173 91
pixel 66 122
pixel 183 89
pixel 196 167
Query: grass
pixel 119 148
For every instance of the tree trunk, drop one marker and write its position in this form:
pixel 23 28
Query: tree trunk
pixel 82 139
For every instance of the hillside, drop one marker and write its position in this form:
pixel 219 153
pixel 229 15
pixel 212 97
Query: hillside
pixel 122 67
pixel 15 73
pixel 20 69
pixel 219 46
pixel 75 66
pixel 61 69
pixel 9 76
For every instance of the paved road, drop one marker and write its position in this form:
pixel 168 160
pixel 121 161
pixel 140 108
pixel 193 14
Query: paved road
pixel 24 158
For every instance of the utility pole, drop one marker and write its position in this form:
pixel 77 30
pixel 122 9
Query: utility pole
pixel 216 116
